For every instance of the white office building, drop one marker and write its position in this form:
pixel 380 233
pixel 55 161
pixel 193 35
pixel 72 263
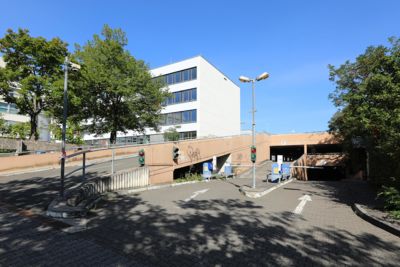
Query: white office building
pixel 9 112
pixel 204 103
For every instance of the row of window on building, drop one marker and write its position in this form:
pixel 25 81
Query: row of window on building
pixel 142 139
pixel 8 108
pixel 187 135
pixel 187 116
pixel 181 97
pixel 179 76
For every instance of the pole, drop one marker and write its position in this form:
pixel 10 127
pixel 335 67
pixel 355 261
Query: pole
pixel 63 154
pixel 84 166
pixel 253 132
pixel 112 161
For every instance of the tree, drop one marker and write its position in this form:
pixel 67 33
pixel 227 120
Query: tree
pixel 4 128
pixel 171 134
pixel 120 94
pixel 20 130
pixel 368 99
pixel 73 133
pixel 33 69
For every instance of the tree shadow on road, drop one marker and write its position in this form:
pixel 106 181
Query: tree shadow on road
pixel 36 193
pixel 346 192
pixel 228 233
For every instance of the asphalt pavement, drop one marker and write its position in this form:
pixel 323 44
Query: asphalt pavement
pixel 34 190
pixel 210 224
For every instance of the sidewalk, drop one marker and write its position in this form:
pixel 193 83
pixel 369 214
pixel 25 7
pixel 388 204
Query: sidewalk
pixel 370 208
pixel 244 181
pixel 27 242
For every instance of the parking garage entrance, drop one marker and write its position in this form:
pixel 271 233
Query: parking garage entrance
pixel 324 161
pixel 289 153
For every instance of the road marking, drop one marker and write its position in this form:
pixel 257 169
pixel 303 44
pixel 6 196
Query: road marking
pixel 195 194
pixel 302 203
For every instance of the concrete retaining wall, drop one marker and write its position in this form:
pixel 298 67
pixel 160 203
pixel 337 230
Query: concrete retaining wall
pixel 28 145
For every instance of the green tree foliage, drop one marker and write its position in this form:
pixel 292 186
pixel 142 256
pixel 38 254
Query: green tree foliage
pixel 4 128
pixel 20 130
pixel 118 90
pixel 73 133
pixel 33 69
pixel 391 196
pixel 368 99
pixel 171 134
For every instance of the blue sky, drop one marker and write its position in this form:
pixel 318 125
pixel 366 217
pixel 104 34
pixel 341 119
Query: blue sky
pixel 292 40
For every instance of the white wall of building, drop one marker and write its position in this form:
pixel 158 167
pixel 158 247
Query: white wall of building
pixel 219 102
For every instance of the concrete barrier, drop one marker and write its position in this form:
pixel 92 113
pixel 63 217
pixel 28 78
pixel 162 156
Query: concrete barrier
pixel 80 199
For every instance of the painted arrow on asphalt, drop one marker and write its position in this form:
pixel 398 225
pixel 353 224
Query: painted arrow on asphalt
pixel 195 194
pixel 303 200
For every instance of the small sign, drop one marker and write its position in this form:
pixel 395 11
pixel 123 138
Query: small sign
pixel 206 171
pixel 280 159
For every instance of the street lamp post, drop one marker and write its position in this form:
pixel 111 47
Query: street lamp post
pixel 245 79
pixel 72 66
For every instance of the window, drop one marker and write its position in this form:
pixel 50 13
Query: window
pixel 193 115
pixel 177 117
pixel 187 116
pixel 178 97
pixel 194 94
pixel 3 108
pixel 187 135
pixel 13 109
pixel 194 74
pixel 181 97
pixel 170 79
pixel 179 76
pixel 186 74
pixel 170 119
pixel 186 96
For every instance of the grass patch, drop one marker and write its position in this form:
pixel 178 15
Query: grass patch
pixel 189 178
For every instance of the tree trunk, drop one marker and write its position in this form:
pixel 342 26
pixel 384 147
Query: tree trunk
pixel 34 124
pixel 113 137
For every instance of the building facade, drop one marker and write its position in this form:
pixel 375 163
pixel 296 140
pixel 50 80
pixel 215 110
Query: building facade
pixel 203 103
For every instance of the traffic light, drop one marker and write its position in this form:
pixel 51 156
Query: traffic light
pixel 175 153
pixel 253 154
pixel 141 157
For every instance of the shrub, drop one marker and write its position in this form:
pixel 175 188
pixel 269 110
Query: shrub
pixel 391 197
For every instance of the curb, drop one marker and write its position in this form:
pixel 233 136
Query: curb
pixel 378 223
pixel 263 193
pixel 52 222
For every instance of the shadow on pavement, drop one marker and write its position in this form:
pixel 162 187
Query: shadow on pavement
pixel 213 232
pixel 346 191
pixel 36 193
pixel 228 233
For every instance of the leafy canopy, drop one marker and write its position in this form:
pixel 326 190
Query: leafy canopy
pixel 368 99
pixel 118 90
pixel 33 67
